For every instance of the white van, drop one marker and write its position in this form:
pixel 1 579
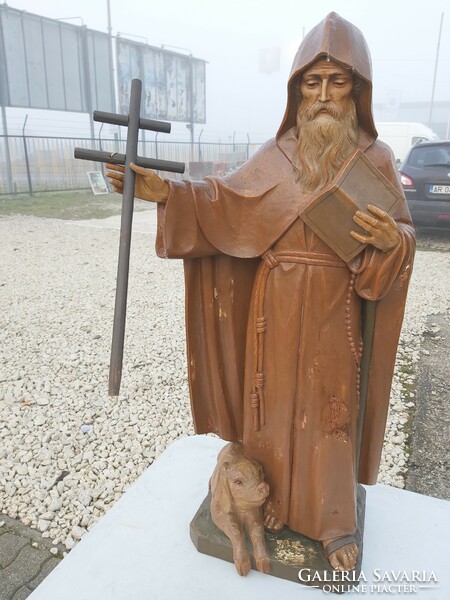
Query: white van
pixel 401 136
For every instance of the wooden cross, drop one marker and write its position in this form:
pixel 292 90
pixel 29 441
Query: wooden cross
pixel 134 122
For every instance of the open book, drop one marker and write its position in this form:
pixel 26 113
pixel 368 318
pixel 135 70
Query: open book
pixel 330 214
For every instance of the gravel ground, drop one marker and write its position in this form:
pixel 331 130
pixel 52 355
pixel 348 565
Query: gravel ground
pixel 67 450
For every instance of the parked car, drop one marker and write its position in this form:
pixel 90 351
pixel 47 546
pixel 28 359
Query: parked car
pixel 425 176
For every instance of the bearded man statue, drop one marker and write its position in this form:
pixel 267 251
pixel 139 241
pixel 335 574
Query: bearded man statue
pixel 273 315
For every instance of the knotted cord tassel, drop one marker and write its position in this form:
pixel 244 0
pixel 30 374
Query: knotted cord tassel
pixel 254 403
pixel 259 385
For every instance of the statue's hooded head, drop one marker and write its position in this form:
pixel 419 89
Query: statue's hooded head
pixel 334 39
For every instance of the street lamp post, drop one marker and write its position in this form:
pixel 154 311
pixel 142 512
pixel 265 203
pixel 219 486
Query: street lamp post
pixel 435 71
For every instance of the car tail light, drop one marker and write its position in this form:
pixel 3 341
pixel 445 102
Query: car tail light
pixel 406 181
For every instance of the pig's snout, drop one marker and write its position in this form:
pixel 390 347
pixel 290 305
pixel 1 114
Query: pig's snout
pixel 262 490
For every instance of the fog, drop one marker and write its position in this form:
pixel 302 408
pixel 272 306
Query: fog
pixel 241 100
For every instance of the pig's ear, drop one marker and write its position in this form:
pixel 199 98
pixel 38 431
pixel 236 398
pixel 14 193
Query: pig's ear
pixel 220 489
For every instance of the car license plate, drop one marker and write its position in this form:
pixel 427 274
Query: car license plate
pixel 439 189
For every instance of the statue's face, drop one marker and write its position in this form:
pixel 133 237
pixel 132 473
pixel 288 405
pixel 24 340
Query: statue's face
pixel 326 82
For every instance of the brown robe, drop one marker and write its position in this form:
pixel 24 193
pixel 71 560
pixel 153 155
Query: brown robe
pixel 273 319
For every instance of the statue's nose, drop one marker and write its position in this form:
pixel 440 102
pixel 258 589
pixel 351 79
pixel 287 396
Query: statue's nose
pixel 324 92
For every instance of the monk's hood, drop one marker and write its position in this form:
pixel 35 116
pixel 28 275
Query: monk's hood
pixel 336 39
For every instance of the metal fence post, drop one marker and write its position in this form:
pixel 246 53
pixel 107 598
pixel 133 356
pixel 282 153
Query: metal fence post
pixel 200 157
pixel 27 162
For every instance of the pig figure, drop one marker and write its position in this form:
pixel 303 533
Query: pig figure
pixel 238 492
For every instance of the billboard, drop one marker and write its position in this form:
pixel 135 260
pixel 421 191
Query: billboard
pixel 173 85
pixel 45 63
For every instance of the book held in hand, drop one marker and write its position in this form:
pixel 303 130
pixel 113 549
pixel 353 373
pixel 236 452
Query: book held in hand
pixel 357 184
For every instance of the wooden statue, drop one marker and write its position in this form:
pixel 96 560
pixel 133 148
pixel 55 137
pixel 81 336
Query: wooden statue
pixel 275 318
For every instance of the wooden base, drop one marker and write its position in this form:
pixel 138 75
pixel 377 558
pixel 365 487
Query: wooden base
pixel 289 552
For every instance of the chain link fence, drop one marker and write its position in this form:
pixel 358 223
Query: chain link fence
pixel 31 164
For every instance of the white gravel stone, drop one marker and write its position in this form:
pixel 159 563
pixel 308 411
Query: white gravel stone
pixel 42 401
pixel 43 525
pixel 56 316
pixel 77 532
pixel 85 498
pixel 49 515
pixel 69 542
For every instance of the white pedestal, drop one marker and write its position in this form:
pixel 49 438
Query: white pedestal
pixel 141 549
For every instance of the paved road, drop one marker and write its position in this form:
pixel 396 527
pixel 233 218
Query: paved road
pixel 429 462
pixel 25 559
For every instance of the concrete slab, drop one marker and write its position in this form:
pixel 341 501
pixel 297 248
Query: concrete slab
pixel 141 549
pixel 26 567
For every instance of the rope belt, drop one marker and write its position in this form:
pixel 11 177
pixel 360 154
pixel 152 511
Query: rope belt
pixel 270 260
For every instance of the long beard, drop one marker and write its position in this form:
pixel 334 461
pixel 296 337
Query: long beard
pixel 325 141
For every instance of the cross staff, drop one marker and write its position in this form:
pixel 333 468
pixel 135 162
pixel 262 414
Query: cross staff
pixel 134 122
pixel 369 308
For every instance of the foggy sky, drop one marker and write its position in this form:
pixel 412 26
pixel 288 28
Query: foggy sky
pixel 402 36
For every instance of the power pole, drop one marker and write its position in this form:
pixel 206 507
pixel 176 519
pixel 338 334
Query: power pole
pixel 435 70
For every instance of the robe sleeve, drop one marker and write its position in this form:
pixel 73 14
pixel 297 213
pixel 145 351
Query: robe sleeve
pixel 383 277
pixel 179 234
pixel 377 271
pixel 217 300
pixel 241 215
